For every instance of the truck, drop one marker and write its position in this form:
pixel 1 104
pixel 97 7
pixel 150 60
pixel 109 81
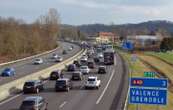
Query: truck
pixel 109 57
pixel 92 82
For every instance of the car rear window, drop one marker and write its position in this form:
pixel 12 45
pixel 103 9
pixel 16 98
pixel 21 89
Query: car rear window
pixel 30 103
pixel 83 67
pixel 29 84
pixel 61 82
pixel 91 79
pixel 55 72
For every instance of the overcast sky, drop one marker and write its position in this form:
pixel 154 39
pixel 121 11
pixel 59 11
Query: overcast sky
pixel 77 12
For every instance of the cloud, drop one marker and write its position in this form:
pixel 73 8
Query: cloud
pixel 90 11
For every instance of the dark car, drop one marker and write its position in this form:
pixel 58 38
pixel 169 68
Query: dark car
pixel 77 75
pixel 77 63
pixel 63 84
pixel 34 86
pixel 8 72
pixel 64 52
pixel 96 59
pixel 71 67
pixel 33 103
pixel 101 70
pixel 54 75
pixel 91 64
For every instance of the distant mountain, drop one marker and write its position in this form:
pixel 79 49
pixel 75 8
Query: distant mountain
pixel 127 29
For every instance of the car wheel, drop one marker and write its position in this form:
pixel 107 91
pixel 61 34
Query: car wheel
pixel 97 87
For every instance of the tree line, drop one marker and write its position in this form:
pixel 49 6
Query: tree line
pixel 19 39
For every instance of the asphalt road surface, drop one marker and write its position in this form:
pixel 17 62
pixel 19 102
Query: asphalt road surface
pixel 27 67
pixel 110 96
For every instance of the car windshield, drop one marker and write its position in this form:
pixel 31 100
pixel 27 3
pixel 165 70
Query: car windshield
pixel 30 103
pixel 91 79
pixel 29 84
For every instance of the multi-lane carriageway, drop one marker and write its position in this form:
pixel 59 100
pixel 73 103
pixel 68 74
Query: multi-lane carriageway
pixel 110 96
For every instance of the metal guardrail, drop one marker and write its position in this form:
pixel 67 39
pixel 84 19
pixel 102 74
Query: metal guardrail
pixel 27 58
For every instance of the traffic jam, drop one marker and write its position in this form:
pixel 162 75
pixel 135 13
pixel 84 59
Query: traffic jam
pixel 86 70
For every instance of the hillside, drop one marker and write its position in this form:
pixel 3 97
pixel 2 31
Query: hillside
pixel 149 27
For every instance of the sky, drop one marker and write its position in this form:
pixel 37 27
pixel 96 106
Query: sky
pixel 77 12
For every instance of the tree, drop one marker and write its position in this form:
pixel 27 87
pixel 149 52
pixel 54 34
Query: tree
pixel 166 44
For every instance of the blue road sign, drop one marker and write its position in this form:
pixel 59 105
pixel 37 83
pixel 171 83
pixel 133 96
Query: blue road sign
pixel 128 45
pixel 149 82
pixel 148 96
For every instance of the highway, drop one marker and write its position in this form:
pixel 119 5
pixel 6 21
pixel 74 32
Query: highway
pixel 110 96
pixel 27 67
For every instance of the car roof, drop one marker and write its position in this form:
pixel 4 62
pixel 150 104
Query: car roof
pixel 38 58
pixel 63 79
pixel 9 68
pixel 102 67
pixel 92 77
pixel 76 72
pixel 56 71
pixel 33 81
pixel 33 98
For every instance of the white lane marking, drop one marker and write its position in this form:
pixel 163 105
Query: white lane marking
pixel 8 100
pixel 62 104
pixel 99 99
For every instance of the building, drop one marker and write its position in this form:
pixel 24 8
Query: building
pixel 145 42
pixel 106 37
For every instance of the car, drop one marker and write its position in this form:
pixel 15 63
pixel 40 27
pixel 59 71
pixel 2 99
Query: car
pixel 77 63
pixel 91 64
pixel 71 67
pixel 64 52
pixel 54 56
pixel 77 75
pixel 96 59
pixel 54 75
pixel 101 70
pixel 100 55
pixel 85 69
pixel 63 84
pixel 38 61
pixel 59 59
pixel 33 103
pixel 7 72
pixel 33 86
pixel 84 58
pixel 70 48
pixel 92 82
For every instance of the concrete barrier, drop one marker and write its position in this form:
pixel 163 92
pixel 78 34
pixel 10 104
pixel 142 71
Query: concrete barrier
pixel 16 86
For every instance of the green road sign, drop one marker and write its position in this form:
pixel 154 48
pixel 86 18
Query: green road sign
pixel 150 74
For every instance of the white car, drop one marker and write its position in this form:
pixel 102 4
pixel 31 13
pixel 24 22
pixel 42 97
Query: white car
pixel 100 55
pixel 84 58
pixel 59 59
pixel 55 56
pixel 70 48
pixel 38 61
pixel 92 82
pixel 85 69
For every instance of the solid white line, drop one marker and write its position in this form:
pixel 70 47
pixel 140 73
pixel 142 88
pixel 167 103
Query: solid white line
pixel 99 99
pixel 62 104
pixel 8 100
